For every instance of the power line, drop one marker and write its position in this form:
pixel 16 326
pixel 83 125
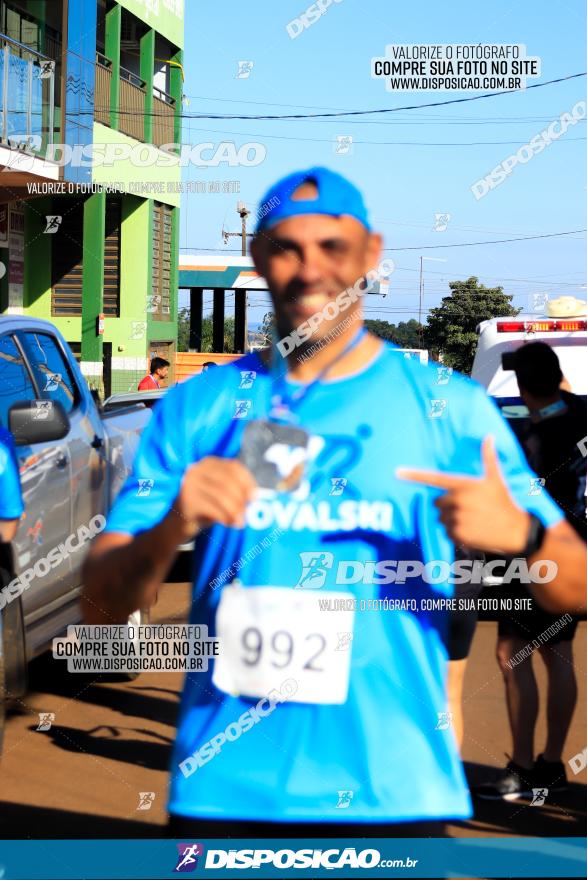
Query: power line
pixel 501 280
pixel 431 120
pixel 404 224
pixel 430 247
pixel 389 109
pixel 285 137
pixel 343 113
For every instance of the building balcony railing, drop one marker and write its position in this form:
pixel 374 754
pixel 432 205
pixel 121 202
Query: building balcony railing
pixel 102 89
pixel 163 118
pixel 132 104
pixel 26 97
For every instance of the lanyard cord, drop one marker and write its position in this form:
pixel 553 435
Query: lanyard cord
pixel 280 397
pixel 552 409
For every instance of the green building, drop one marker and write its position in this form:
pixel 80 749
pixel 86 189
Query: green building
pixel 90 93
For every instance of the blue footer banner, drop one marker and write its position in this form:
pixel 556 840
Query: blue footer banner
pixel 378 857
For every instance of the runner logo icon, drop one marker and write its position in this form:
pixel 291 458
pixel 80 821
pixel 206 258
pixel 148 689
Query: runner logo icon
pixel 337 485
pixel 314 569
pixel 444 721
pixel 344 799
pixel 241 408
pixel 188 854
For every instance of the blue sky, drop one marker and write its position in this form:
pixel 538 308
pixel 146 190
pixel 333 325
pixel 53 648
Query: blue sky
pixel 405 179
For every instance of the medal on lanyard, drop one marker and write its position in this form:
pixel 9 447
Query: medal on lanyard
pixel 275 450
pixel 283 401
pixel 275 454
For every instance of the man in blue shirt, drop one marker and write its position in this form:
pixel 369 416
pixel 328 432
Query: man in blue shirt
pixel 324 714
pixel 11 507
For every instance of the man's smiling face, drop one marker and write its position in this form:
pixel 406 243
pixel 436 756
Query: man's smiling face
pixel 309 259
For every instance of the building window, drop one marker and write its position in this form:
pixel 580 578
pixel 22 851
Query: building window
pixel 20 27
pixel 112 258
pixel 67 258
pixel 160 302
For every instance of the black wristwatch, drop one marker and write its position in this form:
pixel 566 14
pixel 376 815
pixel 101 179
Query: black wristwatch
pixel 535 536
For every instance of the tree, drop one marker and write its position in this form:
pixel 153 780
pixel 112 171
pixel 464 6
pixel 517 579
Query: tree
pixel 183 332
pixel 266 328
pixel 405 334
pixel 183 329
pixel 383 329
pixel 451 328
pixel 409 334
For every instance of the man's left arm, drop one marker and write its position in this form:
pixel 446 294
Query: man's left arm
pixel 11 506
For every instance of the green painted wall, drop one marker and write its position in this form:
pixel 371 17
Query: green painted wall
pixel 126 333
pixel 176 91
pixel 112 52
pixel 126 380
pixel 147 69
pixel 93 275
pixel 134 281
pixel 164 330
pixel 174 263
pixel 37 264
pixel 161 178
pixel 167 18
pixel 37 270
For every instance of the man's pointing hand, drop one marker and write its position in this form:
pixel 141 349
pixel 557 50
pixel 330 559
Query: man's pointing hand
pixel 477 511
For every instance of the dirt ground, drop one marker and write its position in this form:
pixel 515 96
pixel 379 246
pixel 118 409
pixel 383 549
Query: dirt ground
pixel 111 741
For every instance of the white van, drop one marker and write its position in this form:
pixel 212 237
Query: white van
pixel 567 336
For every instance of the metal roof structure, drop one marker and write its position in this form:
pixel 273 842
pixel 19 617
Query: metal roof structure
pixel 219 272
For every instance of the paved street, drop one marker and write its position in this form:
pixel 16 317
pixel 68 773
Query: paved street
pixel 111 741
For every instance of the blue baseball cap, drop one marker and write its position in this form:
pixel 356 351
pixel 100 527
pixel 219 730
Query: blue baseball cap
pixel 336 196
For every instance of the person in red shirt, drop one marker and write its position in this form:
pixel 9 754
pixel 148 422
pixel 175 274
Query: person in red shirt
pixel 157 372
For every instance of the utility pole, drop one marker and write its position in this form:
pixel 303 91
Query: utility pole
pixel 434 260
pixel 241 330
pixel 244 212
pixel 421 291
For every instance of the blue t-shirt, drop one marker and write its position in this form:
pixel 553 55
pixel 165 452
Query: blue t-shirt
pixel 383 754
pixel 10 495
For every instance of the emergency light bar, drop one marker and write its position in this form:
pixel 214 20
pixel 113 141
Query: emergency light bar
pixel 555 326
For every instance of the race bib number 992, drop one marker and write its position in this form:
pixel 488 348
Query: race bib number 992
pixel 268 633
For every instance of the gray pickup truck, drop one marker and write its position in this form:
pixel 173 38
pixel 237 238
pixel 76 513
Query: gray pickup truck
pixel 73 457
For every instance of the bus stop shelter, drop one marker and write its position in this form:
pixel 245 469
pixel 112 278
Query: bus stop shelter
pixel 218 274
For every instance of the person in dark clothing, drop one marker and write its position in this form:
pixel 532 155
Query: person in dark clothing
pixel 459 638
pixel 553 447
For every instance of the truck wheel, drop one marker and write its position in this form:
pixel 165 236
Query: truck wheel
pixel 15 662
